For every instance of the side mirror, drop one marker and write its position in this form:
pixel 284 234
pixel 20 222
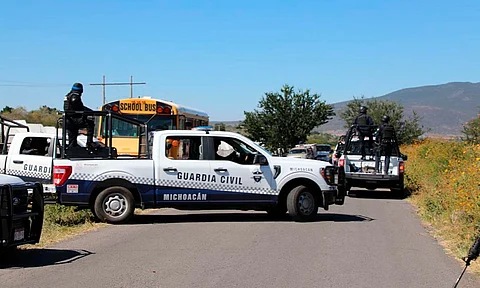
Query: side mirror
pixel 404 157
pixel 260 159
pixel 168 146
pixel 331 150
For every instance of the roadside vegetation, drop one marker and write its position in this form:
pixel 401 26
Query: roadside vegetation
pixel 61 222
pixel 444 179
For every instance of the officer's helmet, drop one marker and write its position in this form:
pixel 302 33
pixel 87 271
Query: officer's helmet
pixel 385 118
pixel 77 87
pixel 363 109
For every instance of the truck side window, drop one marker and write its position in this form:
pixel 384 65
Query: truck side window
pixel 231 149
pixel 183 147
pixel 35 146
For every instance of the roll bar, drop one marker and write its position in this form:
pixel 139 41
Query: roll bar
pixel 108 118
pixel 8 124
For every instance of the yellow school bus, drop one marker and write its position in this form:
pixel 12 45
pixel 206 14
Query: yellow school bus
pixel 159 114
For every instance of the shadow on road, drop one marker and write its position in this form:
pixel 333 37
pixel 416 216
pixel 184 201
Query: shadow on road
pixel 239 217
pixel 375 194
pixel 28 258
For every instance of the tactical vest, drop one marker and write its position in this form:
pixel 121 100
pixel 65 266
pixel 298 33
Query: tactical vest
pixel 387 132
pixel 362 123
pixel 362 120
pixel 66 103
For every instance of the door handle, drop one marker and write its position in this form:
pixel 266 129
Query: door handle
pixel 18 161
pixel 170 169
pixel 220 170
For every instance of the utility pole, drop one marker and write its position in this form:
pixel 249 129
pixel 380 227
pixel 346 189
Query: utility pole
pixel 103 84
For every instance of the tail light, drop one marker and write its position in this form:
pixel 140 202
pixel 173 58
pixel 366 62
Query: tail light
pixel 61 174
pixel 401 167
pixel 328 173
pixel 341 162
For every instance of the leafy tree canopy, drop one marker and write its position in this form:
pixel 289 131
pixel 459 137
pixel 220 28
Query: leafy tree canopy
pixel 407 129
pixel 285 118
pixel 471 130
pixel 44 115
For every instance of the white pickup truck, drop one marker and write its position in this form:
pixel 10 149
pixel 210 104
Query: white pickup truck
pixel 358 172
pixel 197 170
pixel 29 155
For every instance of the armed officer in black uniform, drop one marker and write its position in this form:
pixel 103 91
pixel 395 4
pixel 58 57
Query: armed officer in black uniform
pixel 364 123
pixel 75 121
pixel 383 141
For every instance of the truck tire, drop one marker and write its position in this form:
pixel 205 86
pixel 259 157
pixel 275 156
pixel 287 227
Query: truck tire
pixel 301 203
pixel 114 205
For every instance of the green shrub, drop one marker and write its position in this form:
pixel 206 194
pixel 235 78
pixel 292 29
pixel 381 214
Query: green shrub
pixel 67 216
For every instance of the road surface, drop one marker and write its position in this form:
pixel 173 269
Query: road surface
pixel 371 241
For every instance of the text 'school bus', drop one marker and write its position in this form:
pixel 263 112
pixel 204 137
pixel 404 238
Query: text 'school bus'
pixel 159 114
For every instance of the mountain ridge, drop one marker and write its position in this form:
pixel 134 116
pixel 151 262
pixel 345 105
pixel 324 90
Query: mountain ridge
pixel 444 108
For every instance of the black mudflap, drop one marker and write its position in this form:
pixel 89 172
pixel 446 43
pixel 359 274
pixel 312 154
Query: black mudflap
pixel 341 187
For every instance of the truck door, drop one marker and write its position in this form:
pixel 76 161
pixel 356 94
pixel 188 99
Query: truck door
pixel 32 160
pixel 238 178
pixel 182 174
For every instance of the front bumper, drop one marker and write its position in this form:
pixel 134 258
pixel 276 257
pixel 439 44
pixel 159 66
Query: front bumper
pixel 21 215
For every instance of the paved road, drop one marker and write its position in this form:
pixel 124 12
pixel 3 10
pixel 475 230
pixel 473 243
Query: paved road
pixel 369 242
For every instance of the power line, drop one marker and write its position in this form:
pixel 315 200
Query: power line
pixel 33 85
pixel 104 84
pixel 29 84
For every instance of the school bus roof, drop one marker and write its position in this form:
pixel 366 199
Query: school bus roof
pixel 185 109
pixel 180 108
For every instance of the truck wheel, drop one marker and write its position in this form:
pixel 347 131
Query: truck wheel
pixel 301 203
pixel 114 205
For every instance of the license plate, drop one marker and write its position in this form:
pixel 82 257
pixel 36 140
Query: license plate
pixel 19 235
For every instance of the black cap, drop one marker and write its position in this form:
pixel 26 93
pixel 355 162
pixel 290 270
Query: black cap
pixel 77 87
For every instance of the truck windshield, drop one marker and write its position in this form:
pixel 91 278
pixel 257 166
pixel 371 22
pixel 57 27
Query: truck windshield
pixel 297 151
pixel 323 148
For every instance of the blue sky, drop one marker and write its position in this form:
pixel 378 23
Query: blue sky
pixel 222 56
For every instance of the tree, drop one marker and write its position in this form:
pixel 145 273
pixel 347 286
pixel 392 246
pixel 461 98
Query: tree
pixel 44 115
pixel 471 130
pixel 407 129
pixel 284 119
pixel 6 109
pixel 219 126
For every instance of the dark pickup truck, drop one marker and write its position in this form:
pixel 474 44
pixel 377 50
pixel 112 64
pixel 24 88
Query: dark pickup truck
pixel 21 212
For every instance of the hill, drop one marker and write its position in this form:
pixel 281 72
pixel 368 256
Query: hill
pixel 444 107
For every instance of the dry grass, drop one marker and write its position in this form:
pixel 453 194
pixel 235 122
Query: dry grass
pixel 444 177
pixel 62 223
